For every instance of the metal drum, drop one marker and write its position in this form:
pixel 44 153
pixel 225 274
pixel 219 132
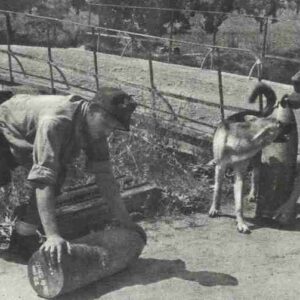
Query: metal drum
pixel 93 257
pixel 279 163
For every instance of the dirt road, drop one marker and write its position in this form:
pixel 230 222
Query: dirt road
pixel 192 258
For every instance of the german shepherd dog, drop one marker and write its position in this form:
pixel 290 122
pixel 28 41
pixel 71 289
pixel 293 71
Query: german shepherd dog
pixel 237 142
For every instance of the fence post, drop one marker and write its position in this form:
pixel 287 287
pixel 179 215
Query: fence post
pixel 50 59
pixel 151 71
pixel 132 45
pixel 152 85
pixel 221 94
pixel 263 54
pixel 99 41
pixel 260 97
pixel 95 58
pixel 8 39
pixel 90 14
pixel 99 19
pixel 171 35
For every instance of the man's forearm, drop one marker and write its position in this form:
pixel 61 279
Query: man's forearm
pixel 46 207
pixel 110 191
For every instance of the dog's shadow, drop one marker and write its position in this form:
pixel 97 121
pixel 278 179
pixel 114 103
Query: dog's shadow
pixel 272 224
pixel 147 271
pixel 256 223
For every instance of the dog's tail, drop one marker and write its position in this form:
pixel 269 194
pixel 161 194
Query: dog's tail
pixel 264 89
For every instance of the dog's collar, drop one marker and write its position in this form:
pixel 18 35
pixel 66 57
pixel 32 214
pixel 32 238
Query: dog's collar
pixel 283 101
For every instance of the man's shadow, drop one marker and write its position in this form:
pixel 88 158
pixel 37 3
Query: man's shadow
pixel 146 271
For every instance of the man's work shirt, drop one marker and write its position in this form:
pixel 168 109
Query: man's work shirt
pixel 47 132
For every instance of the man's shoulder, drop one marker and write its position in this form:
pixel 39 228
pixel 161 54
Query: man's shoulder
pixel 60 106
pixel 42 102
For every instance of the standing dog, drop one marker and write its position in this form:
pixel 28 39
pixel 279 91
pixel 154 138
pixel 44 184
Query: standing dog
pixel 238 140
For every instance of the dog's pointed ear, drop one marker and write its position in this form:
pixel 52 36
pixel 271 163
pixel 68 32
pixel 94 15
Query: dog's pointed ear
pixel 250 118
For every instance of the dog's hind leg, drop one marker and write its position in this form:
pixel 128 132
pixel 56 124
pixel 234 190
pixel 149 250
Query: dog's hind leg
pixel 240 170
pixel 253 194
pixel 219 177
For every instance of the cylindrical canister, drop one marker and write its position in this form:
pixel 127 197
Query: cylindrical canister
pixel 279 162
pixel 93 257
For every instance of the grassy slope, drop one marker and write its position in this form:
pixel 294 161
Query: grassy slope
pixel 178 79
pixel 182 80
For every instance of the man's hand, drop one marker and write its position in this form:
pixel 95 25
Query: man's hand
pixel 53 248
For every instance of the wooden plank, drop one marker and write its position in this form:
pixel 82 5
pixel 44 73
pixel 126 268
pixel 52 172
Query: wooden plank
pixel 77 214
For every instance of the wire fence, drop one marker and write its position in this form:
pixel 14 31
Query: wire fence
pixel 95 34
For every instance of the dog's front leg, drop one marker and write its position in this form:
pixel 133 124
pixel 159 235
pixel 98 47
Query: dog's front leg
pixel 240 170
pixel 219 177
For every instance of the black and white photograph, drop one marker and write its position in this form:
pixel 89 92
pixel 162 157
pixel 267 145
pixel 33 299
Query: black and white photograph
pixel 149 149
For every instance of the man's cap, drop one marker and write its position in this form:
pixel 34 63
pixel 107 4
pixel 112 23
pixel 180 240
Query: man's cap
pixel 117 104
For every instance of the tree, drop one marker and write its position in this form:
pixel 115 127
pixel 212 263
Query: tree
pixel 15 5
pixel 18 6
pixel 212 21
pixel 140 20
pixel 261 9
pixel 78 4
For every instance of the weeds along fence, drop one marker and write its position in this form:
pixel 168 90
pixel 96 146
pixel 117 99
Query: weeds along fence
pixel 96 33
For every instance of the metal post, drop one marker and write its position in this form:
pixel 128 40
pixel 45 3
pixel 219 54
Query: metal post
pixel 220 86
pixel 90 14
pixel 99 41
pixel 171 35
pixel 99 19
pixel 263 54
pixel 8 39
pixel 132 45
pixel 95 57
pixel 50 59
pixel 152 84
pixel 151 71
pixel 260 97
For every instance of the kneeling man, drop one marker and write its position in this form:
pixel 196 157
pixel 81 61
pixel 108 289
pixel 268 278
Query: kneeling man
pixel 46 132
